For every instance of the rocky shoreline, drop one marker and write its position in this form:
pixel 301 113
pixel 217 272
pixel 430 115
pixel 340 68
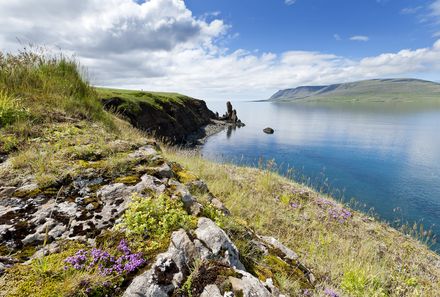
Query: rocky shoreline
pixel 218 124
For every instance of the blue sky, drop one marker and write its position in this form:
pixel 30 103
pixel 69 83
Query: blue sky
pixel 231 49
pixel 314 25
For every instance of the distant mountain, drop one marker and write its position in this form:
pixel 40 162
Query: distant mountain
pixel 374 90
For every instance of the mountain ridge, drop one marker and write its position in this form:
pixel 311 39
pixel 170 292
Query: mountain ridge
pixel 372 90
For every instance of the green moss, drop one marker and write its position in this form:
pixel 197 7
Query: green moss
pixel 186 176
pixel 128 180
pixel 27 193
pixel 277 264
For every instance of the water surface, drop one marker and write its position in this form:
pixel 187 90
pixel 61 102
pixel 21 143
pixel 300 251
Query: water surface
pixel 386 157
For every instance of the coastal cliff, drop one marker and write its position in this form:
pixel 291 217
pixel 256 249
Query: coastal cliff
pixel 170 117
pixel 90 205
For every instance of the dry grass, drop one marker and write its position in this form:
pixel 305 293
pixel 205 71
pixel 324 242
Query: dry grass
pixel 358 256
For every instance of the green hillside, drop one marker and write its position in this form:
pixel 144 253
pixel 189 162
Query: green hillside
pixel 367 91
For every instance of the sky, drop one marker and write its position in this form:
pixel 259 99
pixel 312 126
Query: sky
pixel 231 49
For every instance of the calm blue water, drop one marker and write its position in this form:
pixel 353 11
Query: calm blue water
pixel 387 159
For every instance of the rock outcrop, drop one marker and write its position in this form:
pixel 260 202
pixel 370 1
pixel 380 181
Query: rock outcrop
pixel 170 121
pixel 219 271
pixel 231 116
pixel 84 207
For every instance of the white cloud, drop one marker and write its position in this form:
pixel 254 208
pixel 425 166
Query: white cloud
pixel 289 2
pixel 435 8
pixel 359 38
pixel 411 10
pixel 160 45
pixel 337 37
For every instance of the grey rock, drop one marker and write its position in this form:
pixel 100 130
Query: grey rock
pixel 211 291
pixel 34 238
pixel 90 206
pixel 156 282
pixel 164 171
pixel 149 182
pixel 288 253
pixel 198 186
pixel 143 153
pixel 218 242
pixel 57 231
pixel 68 208
pixel 220 206
pixel 47 250
pixel 6 192
pixel 250 286
pixel 189 202
pixel 43 212
pixel 27 188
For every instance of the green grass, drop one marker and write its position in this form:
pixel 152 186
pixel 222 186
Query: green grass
pixel 358 257
pixel 134 98
pixel 45 83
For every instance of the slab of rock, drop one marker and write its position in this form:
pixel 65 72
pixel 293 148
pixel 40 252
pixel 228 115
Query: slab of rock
pixel 211 291
pixel 218 242
pixel 249 286
pixel 288 253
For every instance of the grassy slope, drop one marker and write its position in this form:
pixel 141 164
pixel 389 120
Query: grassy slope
pixel 52 121
pixel 360 257
pixel 133 97
pixel 373 91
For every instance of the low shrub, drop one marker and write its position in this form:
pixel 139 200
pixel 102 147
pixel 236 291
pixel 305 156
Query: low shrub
pixel 155 217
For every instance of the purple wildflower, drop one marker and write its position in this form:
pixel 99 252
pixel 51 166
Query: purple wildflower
pixel 78 260
pixel 294 205
pixel 123 247
pixel 334 211
pixel 330 293
pixel 106 263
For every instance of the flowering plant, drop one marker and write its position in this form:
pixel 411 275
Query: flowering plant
pixel 106 263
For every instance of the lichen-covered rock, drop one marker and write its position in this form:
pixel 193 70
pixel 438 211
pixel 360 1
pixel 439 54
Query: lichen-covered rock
pixel 249 286
pixel 218 242
pixel 211 291
pixel 6 192
pixel 209 244
pixel 288 253
pixel 191 205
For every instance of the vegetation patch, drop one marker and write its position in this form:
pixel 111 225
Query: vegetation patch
pixel 155 217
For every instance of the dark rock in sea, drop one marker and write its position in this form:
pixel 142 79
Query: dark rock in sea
pixel 229 109
pixel 268 130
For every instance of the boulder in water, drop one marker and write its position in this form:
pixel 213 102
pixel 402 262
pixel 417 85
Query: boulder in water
pixel 268 130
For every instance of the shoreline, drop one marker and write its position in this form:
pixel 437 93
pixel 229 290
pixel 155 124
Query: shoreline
pixel 197 139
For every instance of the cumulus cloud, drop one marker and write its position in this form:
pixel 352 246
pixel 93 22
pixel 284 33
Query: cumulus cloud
pixel 359 38
pixel 111 26
pixel 161 45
